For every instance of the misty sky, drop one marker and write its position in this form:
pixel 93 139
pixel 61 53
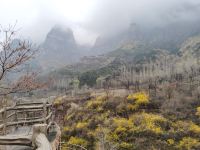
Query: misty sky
pixel 92 18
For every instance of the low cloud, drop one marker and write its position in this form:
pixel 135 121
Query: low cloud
pixel 92 18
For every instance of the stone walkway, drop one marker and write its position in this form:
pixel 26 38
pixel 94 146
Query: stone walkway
pixel 24 131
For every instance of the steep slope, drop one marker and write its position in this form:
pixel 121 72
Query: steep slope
pixel 191 47
pixel 169 36
pixel 139 53
pixel 59 48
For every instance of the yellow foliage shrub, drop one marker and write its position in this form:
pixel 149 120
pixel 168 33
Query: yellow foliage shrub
pixel 188 143
pixel 170 141
pixel 125 145
pixel 122 122
pixel 95 103
pixel 81 125
pixel 180 126
pixel 140 98
pixel 185 126
pixel 66 128
pixel 77 141
pixel 68 116
pixel 102 116
pixel 58 101
pixel 194 128
pixel 101 130
pixel 119 128
pixel 113 137
pixel 145 121
pixel 198 111
pixel 132 107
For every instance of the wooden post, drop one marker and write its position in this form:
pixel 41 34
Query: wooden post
pixel 60 144
pixel 44 112
pixel 16 119
pixel 24 116
pixel 56 143
pixel 17 103
pixel 48 112
pixel 15 116
pixel 39 138
pixel 4 120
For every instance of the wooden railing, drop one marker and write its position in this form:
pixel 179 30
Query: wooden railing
pixel 22 114
pixel 37 116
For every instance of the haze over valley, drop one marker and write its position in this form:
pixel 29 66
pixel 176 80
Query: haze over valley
pixel 103 74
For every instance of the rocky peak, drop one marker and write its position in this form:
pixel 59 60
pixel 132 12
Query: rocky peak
pixel 61 36
pixel 59 48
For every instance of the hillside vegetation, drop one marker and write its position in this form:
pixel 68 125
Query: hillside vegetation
pixel 133 122
pixel 142 100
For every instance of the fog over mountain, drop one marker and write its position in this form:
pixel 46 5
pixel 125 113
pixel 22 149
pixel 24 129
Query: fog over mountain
pixel 100 74
pixel 59 48
pixel 169 36
pixel 69 30
pixel 90 19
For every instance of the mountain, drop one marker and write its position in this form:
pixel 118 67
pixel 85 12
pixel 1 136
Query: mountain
pixel 169 36
pixel 167 45
pixel 59 49
pixel 134 53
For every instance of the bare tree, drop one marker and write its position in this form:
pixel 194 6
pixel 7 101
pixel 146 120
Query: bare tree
pixel 13 54
pixel 126 76
pixel 107 85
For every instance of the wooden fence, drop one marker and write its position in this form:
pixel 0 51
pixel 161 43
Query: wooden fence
pixel 24 114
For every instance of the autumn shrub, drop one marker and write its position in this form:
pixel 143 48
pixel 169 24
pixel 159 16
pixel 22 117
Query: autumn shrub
pixel 136 100
pixel 149 122
pixel 188 143
pixel 112 103
pixel 78 134
pixel 198 111
pixel 119 133
pixel 96 104
pixel 170 141
pixel 119 123
pixel 194 128
pixel 121 110
pixel 67 132
pixel 77 141
pixel 186 127
pixel 126 146
pixel 81 125
pixel 58 101
pixel 180 126
pixel 140 98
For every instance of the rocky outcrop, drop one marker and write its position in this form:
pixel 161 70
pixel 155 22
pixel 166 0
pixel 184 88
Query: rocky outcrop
pixel 58 49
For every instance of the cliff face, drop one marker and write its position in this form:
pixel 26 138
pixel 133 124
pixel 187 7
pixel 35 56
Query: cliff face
pixel 60 39
pixel 59 48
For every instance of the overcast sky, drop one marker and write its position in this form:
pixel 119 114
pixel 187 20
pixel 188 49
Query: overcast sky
pixel 92 18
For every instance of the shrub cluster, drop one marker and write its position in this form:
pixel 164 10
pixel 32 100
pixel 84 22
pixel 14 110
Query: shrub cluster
pixel 111 124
